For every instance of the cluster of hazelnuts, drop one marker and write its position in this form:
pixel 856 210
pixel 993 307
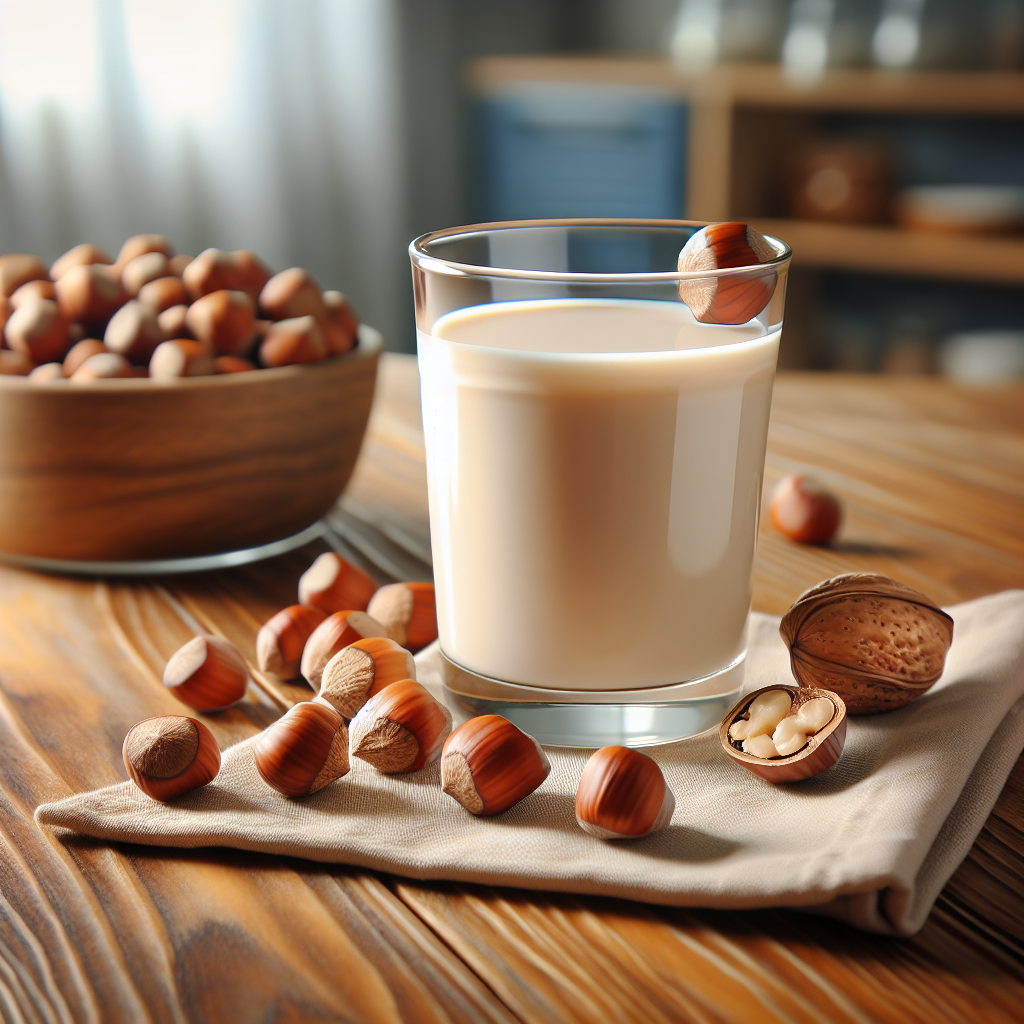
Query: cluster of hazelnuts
pixel 152 313
pixel 354 644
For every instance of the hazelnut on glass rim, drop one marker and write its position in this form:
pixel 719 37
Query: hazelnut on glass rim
pixel 733 298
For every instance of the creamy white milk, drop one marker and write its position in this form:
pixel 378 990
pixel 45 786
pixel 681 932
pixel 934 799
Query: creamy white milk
pixel 594 471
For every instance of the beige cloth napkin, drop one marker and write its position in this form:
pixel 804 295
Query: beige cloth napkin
pixel 871 841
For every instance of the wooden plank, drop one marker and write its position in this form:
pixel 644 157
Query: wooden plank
pixel 881 249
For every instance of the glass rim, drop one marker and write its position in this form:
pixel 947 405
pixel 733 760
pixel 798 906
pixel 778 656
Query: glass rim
pixel 428 261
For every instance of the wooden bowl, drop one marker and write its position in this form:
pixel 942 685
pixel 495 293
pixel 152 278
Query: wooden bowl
pixel 822 750
pixel 129 469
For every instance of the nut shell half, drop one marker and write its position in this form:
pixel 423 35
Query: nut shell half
pixel 822 750
pixel 877 643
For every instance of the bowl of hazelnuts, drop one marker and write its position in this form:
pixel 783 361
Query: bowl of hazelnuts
pixel 160 406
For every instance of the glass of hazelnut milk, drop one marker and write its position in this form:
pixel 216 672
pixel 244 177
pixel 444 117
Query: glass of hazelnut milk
pixel 595 457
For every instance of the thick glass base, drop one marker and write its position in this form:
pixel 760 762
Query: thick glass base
pixel 596 718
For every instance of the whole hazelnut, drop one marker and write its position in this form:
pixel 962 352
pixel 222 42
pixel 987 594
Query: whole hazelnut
pixel 80 256
pixel 18 268
pixel 341 323
pixel 171 322
pixel 805 511
pixel 622 795
pixel 362 669
pixel 304 750
pixel 37 330
pixel 79 352
pixel 90 293
pixel 171 755
pixel 133 332
pixel 139 245
pixel 150 266
pixel 181 357
pixel 280 640
pixel 232 364
pixel 407 611
pixel 400 729
pixel 163 293
pixel 876 643
pixel 294 341
pixel 334 584
pixel 255 273
pixel 213 270
pixel 46 373
pixel 207 673
pixel 102 366
pixel 223 320
pixel 292 293
pixel 31 291
pixel 488 764
pixel 733 298
pixel 335 632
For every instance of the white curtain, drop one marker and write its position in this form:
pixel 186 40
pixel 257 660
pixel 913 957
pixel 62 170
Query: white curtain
pixel 265 124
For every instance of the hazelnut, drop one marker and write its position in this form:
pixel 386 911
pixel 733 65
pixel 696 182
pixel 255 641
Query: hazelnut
pixel 255 273
pixel 181 357
pixel 340 324
pixel 335 632
pixel 176 264
pixel 784 734
pixel 47 372
pixel 223 320
pixel 877 643
pixel 89 293
pixel 622 795
pixel 133 332
pixel 362 669
pixel 150 266
pixel 163 293
pixel 730 299
pixel 213 270
pixel 400 729
pixel 37 330
pixel 79 256
pixel 18 268
pixel 488 764
pixel 81 351
pixel 280 641
pixel 232 364
pixel 804 511
pixel 407 612
pixel 292 293
pixel 334 584
pixel 289 342
pixel 102 366
pixel 14 364
pixel 304 750
pixel 170 755
pixel 207 673
pixel 139 245
pixel 171 322
pixel 31 290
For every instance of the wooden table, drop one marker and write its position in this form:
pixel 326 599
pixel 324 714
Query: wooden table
pixel 933 480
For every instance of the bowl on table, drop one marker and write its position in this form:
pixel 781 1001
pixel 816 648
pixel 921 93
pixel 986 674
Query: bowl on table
pixel 141 469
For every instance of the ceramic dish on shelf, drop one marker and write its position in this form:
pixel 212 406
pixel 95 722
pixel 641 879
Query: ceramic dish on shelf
pixel 139 470
pixel 989 209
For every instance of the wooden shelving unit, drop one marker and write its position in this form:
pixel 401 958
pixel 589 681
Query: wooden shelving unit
pixel 743 116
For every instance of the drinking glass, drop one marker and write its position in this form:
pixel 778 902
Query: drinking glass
pixel 595 455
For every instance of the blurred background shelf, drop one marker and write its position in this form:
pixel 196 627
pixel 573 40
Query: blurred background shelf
pixel 598 135
pixel 876 248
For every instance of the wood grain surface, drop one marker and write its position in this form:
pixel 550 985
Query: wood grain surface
pixel 933 482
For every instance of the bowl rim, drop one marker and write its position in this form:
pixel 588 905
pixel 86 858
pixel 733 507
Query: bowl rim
pixel 371 344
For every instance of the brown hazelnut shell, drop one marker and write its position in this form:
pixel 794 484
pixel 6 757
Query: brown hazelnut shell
pixel 170 755
pixel 822 750
pixel 304 750
pixel 877 643
pixel 207 673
